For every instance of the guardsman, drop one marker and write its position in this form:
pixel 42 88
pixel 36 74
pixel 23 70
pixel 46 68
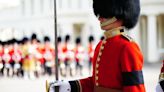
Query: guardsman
pixel 79 56
pixel 16 57
pixel 32 56
pixel 48 55
pixel 68 50
pixel 39 58
pixel 7 59
pixel 26 57
pixel 118 61
pixel 91 48
pixel 160 85
pixel 1 61
pixel 61 56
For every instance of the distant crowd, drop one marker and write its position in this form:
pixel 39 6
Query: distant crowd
pixel 30 58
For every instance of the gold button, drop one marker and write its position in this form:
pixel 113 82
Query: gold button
pixel 97 84
pixel 102 47
pixel 97 65
pixel 97 72
pixel 100 53
pixel 104 41
pixel 98 59
pixel 97 78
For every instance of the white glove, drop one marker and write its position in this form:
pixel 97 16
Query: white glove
pixel 64 86
pixel 158 88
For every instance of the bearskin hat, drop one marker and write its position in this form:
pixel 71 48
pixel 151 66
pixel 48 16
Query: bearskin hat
pixel 126 10
pixel 24 40
pixel 46 39
pixel 59 39
pixel 91 38
pixel 14 41
pixel 67 38
pixel 33 36
pixel 102 38
pixel 78 40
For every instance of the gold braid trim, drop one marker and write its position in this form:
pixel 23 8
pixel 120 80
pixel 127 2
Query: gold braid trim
pixel 161 76
pixel 47 86
pixel 79 86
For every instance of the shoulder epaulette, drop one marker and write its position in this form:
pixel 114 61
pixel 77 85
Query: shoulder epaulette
pixel 127 37
pixel 161 76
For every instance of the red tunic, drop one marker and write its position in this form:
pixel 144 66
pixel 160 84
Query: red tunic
pixel 90 52
pixel 161 77
pixel 162 69
pixel 119 66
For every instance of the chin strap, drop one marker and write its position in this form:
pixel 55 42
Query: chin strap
pixel 108 21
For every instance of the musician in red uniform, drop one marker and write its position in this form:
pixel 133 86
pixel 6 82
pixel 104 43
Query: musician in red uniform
pixel 118 61
pixel 68 51
pixel 16 57
pixel 48 56
pixel 61 56
pixel 160 86
pixel 91 48
pixel 79 56
pixel 1 61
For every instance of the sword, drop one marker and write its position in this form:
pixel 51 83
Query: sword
pixel 56 88
pixel 56 47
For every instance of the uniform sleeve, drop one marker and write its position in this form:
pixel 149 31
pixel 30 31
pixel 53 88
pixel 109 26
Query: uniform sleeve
pixel 82 85
pixel 161 77
pixel 131 65
pixel 86 84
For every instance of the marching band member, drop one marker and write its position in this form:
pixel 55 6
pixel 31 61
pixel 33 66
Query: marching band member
pixel 1 61
pixel 91 48
pixel 61 56
pixel 7 59
pixel 48 55
pixel 68 50
pixel 79 56
pixel 17 57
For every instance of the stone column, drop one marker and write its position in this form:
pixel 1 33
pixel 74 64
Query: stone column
pixel 27 7
pixel 152 39
pixel 135 34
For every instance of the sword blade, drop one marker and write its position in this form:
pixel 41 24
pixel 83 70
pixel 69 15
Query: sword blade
pixel 56 43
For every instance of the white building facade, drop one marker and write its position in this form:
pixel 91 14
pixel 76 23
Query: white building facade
pixel 75 17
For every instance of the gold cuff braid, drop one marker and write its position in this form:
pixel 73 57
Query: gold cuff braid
pixel 161 76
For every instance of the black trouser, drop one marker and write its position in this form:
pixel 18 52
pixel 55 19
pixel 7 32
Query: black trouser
pixel 68 68
pixel 79 67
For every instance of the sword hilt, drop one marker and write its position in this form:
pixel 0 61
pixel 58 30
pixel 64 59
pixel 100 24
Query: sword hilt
pixel 56 88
